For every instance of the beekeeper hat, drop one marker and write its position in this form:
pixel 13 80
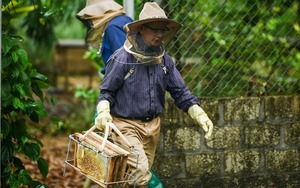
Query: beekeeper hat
pixel 151 12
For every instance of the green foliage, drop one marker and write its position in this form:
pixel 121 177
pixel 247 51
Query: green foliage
pixel 88 95
pixel 89 99
pixel 22 103
pixel 38 19
pixel 230 43
pixel 94 57
pixel 22 100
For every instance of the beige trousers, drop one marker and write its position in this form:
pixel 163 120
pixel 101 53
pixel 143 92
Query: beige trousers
pixel 144 137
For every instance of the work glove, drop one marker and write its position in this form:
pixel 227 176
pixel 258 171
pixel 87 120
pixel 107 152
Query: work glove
pixel 198 114
pixel 103 116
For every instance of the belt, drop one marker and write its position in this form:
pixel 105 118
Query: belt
pixel 143 119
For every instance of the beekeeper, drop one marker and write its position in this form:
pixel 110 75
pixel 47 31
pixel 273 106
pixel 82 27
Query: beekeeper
pixel 138 75
pixel 104 20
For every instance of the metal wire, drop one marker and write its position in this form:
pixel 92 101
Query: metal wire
pixel 236 48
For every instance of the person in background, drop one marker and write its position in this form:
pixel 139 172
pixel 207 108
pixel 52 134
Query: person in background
pixel 132 93
pixel 105 20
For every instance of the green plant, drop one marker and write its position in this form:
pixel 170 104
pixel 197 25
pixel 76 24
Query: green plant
pixel 22 101
pixel 89 98
pixel 22 104
pixel 92 55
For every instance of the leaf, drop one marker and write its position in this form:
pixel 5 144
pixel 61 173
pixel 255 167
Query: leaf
pixel 19 129
pixel 34 116
pixel 42 21
pixel 5 128
pixel 18 163
pixel 40 77
pixel 18 104
pixel 19 87
pixel 35 107
pixel 24 177
pixel 53 100
pixel 6 100
pixel 37 184
pixel 13 181
pixel 27 83
pixel 297 27
pixel 35 88
pixel 7 149
pixel 7 43
pixel 37 141
pixel 32 150
pixel 24 139
pixel 22 55
pixel 43 167
pixel 5 88
pixel 15 71
pixel 6 62
pixel 14 56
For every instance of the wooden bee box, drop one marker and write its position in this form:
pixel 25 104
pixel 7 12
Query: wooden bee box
pixel 107 167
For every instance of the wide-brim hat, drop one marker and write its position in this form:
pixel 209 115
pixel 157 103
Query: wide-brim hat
pixel 151 12
pixel 98 7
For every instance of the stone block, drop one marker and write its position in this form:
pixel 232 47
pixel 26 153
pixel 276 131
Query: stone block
pixel 167 166
pixel 262 181
pixel 242 162
pixel 181 183
pixel 202 164
pixel 172 115
pixel 280 107
pixel 292 134
pixel 282 160
pixel 292 180
pixel 210 106
pixel 182 139
pixel 261 135
pixel 225 137
pixel 241 109
pixel 220 182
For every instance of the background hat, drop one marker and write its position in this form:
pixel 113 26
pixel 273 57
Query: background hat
pixel 95 16
pixel 152 13
pixel 98 7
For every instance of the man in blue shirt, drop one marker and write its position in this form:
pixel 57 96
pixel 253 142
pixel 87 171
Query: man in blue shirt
pixel 132 94
pixel 105 20
pixel 114 37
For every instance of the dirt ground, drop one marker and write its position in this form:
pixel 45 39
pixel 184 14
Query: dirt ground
pixel 54 152
pixel 55 148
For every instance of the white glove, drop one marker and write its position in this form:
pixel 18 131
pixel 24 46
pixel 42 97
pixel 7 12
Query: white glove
pixel 103 111
pixel 198 114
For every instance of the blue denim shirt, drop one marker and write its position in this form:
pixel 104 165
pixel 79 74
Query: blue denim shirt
pixel 114 37
pixel 142 93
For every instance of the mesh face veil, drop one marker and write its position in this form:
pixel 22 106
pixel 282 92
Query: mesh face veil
pixel 134 44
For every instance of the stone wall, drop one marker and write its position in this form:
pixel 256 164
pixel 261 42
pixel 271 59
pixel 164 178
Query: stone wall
pixel 255 143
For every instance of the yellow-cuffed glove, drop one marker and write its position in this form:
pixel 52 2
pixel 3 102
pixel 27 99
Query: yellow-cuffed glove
pixel 103 111
pixel 198 114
